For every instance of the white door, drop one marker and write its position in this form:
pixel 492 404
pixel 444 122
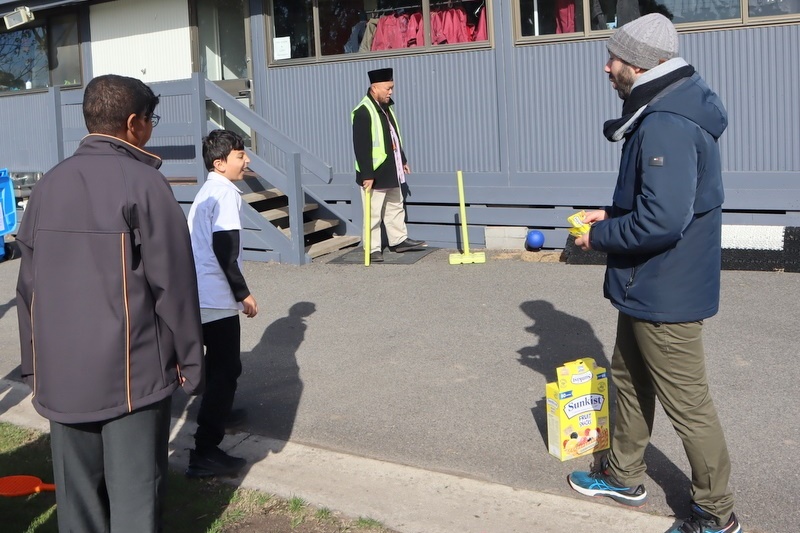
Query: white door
pixel 224 43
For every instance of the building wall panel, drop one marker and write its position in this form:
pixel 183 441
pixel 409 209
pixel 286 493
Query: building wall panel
pixel 145 39
pixel 563 97
pixel 757 74
pixel 446 105
pixel 26 143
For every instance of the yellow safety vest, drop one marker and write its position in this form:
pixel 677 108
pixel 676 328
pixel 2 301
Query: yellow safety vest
pixel 378 145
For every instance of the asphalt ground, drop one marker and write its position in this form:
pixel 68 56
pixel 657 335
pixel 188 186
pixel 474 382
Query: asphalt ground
pixel 443 368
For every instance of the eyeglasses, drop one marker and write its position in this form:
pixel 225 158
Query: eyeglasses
pixel 154 119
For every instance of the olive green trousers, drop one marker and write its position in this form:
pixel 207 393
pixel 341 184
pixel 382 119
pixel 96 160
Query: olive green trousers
pixel 666 361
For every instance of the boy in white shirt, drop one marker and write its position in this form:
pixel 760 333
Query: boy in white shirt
pixel 215 227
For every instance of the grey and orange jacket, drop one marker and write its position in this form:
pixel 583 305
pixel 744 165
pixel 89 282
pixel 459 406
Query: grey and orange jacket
pixel 109 318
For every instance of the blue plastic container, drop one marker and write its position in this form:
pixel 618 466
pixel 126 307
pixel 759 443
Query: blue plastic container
pixel 8 208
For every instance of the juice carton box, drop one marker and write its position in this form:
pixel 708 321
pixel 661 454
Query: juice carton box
pixel 577 410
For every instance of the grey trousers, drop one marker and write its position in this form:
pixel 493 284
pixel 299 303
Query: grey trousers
pixel 667 361
pixel 111 476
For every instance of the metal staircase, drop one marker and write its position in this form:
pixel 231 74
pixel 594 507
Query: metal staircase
pixel 283 220
pixel 320 233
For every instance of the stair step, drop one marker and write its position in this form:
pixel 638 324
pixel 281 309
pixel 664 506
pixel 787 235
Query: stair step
pixel 283 212
pixel 313 226
pixel 331 245
pixel 269 194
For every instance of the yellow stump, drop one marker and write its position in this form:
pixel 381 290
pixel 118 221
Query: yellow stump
pixel 466 257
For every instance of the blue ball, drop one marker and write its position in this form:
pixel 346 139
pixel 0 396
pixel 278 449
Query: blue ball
pixel 534 240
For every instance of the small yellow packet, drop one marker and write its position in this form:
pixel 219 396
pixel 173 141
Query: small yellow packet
pixel 578 226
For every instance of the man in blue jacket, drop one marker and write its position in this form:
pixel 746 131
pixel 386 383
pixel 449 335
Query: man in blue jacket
pixel 662 235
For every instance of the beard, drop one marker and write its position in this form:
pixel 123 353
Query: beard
pixel 624 82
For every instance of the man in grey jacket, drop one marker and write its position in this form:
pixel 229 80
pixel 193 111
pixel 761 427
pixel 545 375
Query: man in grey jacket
pixel 662 235
pixel 109 315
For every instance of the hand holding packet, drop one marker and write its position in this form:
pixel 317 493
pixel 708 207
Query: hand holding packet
pixel 578 226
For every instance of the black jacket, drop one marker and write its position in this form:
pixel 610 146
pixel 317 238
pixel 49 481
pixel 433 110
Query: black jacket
pixel 385 175
pixel 107 295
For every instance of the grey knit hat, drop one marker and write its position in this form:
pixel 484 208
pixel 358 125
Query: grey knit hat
pixel 645 41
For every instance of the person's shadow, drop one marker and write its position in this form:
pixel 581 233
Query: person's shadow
pixel 561 338
pixel 271 386
pixel 269 389
pixel 9 396
pixel 6 307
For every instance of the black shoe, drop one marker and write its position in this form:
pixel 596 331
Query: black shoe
pixel 213 462
pixel 703 522
pixel 408 245
pixel 236 419
pixel 376 257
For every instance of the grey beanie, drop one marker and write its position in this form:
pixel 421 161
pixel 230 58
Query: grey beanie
pixel 645 41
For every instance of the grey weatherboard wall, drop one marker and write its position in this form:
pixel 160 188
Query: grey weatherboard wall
pixel 522 122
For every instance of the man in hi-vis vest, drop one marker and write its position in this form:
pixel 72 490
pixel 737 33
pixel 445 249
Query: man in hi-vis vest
pixel 381 165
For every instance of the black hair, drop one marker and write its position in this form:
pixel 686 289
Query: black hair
pixel 219 144
pixel 110 99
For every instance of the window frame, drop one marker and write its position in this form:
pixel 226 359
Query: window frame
pixel 744 21
pixel 427 48
pixel 44 19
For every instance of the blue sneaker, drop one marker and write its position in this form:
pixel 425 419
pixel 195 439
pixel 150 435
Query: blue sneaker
pixel 703 522
pixel 598 482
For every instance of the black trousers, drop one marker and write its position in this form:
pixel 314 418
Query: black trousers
pixel 111 476
pixel 223 368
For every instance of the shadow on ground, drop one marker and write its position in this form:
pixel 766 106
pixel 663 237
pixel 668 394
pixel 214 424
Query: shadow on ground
pixel 271 394
pixel 562 337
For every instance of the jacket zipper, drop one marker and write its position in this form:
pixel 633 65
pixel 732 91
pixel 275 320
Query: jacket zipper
pixel 33 343
pixel 127 325
pixel 630 281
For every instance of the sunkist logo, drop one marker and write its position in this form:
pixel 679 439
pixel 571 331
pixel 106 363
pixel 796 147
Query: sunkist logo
pixel 577 379
pixel 583 404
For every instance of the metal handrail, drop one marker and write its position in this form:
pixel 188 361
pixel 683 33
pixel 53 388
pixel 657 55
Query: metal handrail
pixel 309 161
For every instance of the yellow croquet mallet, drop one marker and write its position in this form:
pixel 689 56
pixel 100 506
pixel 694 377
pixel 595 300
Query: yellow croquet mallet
pixel 466 257
pixel 367 223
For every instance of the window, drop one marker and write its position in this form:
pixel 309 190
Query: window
pixel 771 8
pixel 323 28
pixel 41 56
pixel 540 18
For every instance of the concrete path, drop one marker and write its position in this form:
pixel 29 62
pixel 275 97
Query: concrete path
pixel 410 500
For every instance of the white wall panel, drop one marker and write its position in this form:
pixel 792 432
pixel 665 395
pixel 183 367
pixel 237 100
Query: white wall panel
pixel 145 39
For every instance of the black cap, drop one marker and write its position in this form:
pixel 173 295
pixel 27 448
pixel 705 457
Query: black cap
pixel 382 74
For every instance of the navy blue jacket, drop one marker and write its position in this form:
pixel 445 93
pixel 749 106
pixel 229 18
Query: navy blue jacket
pixel 663 236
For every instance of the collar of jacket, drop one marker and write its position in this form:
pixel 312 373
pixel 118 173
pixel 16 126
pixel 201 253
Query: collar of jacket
pixel 101 143
pixel 376 104
pixel 647 89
